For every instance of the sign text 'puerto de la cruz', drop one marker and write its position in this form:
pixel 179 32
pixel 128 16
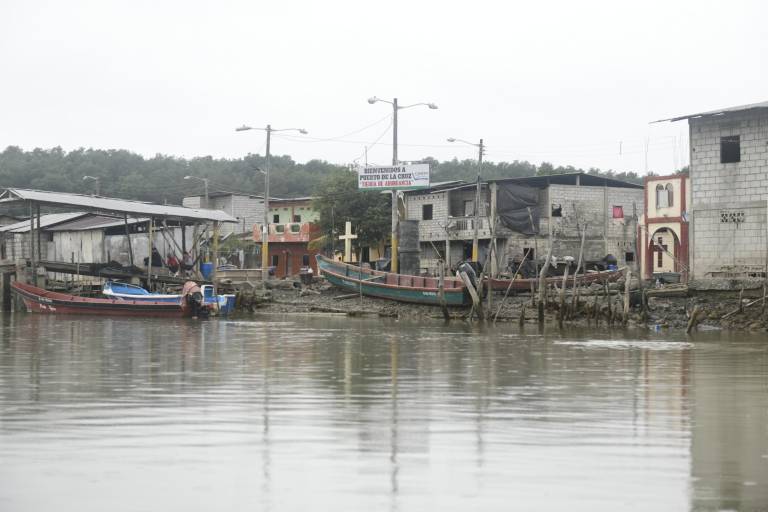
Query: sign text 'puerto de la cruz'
pixel 397 177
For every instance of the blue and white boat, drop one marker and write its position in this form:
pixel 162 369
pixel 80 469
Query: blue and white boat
pixel 223 304
pixel 117 290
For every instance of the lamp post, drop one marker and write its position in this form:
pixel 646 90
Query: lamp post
pixel 395 213
pixel 265 226
pixel 97 186
pixel 205 183
pixel 476 221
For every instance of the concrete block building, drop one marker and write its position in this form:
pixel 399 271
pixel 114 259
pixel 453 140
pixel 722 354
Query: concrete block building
pixel 729 190
pixel 664 230
pixel 292 228
pixel 247 209
pixel 559 207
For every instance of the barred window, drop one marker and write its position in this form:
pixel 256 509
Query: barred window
pixel 732 216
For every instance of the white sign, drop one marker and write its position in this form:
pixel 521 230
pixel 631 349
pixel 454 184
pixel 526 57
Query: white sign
pixel 397 177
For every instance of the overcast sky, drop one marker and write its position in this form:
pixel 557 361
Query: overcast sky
pixel 566 82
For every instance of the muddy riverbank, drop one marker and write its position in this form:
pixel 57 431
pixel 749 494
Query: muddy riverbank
pixel 716 309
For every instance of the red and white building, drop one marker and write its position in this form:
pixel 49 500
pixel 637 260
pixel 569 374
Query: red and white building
pixel 663 237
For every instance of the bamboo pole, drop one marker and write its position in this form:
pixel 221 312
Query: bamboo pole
pixel 627 282
pixel 578 267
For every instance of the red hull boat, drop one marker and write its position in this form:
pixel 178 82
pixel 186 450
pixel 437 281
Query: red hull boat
pixel 44 301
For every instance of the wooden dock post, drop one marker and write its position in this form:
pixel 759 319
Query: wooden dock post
pixel 693 321
pixel 543 280
pixel 561 313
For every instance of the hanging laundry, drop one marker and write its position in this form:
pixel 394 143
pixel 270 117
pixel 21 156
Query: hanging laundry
pixel 618 212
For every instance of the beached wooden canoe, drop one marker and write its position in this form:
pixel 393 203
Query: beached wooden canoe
pixel 387 285
pixel 522 285
pixel 43 301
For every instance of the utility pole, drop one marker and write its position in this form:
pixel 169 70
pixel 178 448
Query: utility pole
pixel 265 227
pixel 395 213
pixel 475 241
pixel 476 221
pixel 395 162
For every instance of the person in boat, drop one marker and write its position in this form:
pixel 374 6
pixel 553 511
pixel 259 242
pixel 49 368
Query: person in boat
pixel 172 263
pixel 193 294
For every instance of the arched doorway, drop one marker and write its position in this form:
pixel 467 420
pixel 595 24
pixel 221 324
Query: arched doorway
pixel 663 252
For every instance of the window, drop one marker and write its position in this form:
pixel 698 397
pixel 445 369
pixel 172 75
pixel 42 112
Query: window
pixel 276 218
pixel 295 228
pixel 279 228
pixel 629 257
pixel 670 195
pixel 469 208
pixel 528 253
pixel 557 210
pixel 730 149
pixel 275 260
pixel 618 212
pixel 297 218
pixel 305 260
pixel 660 247
pixel 662 198
pixel 426 212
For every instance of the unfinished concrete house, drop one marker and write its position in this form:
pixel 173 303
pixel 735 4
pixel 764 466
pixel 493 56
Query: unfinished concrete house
pixel 246 208
pixel 530 213
pixel 729 189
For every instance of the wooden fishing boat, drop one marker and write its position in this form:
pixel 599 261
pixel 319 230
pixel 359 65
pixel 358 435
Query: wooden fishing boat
pixel 43 301
pixel 590 277
pixel 387 285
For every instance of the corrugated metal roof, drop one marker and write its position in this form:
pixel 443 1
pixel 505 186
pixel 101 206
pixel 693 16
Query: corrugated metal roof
pixel 108 204
pixel 91 221
pixel 45 221
pixel 740 108
pixel 569 178
pixel 587 180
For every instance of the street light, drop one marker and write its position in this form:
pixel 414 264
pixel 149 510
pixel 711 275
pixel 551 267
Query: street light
pixel 395 213
pixel 205 182
pixel 476 222
pixel 265 227
pixel 98 183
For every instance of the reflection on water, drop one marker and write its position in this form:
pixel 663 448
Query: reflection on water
pixel 295 413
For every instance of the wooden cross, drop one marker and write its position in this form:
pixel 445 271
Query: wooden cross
pixel 348 237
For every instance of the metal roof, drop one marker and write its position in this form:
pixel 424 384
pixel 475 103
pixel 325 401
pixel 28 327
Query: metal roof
pixel 112 205
pixel 722 111
pixel 48 220
pixel 92 221
pixel 585 179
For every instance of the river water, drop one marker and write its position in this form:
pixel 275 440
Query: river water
pixel 332 413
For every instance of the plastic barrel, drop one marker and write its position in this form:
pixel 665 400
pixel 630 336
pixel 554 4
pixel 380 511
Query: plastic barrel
pixel 206 269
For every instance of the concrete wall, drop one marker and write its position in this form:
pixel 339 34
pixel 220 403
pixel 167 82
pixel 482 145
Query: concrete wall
pixel 728 199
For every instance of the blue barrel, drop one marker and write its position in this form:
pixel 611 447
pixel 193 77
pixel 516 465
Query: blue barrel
pixel 206 269
pixel 613 267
